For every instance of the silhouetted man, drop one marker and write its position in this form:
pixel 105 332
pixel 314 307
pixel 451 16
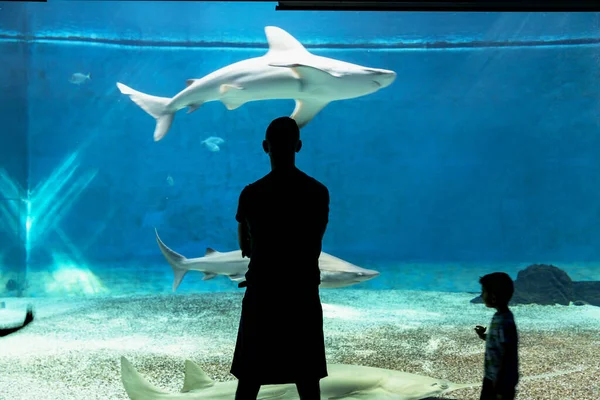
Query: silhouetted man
pixel 282 218
pixel 28 320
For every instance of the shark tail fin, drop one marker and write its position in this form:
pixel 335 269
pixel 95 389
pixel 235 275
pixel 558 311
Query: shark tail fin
pixel 153 105
pixel 175 261
pixel 136 386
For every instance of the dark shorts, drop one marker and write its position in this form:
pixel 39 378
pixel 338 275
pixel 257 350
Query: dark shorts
pixel 280 337
pixel 488 392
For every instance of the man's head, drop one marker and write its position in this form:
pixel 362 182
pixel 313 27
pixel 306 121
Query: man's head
pixel 282 139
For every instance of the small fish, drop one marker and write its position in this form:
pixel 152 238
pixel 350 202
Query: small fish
pixel 78 78
pixel 170 180
pixel 212 143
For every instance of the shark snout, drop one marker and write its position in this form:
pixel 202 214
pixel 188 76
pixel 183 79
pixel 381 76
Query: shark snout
pixel 366 275
pixel 384 77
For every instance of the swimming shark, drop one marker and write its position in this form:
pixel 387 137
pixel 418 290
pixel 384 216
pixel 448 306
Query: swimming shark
pixel 286 71
pixel 347 382
pixel 335 273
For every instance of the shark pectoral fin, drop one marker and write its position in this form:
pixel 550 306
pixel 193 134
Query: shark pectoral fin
pixel 195 378
pixel 306 110
pixel 208 275
pixel 231 97
pixel 194 107
pixel 232 105
pixel 226 87
pixel 237 277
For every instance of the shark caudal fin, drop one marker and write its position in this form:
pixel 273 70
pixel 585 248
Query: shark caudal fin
pixel 175 261
pixel 136 386
pixel 153 105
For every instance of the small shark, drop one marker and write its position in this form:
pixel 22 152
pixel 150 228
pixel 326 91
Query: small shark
pixel 286 71
pixel 335 273
pixel 348 382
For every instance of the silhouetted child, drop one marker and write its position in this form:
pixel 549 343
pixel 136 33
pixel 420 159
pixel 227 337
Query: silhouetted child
pixel 501 339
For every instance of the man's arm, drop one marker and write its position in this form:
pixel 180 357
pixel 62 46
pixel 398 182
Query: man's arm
pixel 244 239
pixel 240 216
pixel 324 213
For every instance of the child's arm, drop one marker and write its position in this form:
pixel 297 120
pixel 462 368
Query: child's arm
pixel 509 348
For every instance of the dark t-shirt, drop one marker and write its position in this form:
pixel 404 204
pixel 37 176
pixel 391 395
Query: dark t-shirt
pixel 502 332
pixel 286 214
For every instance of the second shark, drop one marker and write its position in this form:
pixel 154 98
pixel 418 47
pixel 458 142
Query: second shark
pixel 335 273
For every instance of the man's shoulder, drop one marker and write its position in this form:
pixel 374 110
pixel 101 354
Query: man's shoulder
pixel 316 184
pixel 256 184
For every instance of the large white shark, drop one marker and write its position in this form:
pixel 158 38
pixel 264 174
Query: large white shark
pixel 347 382
pixel 286 71
pixel 335 273
pixel 344 382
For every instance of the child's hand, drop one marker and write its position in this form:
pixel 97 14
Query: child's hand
pixel 480 330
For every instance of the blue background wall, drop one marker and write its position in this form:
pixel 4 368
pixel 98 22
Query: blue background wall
pixel 480 153
pixel 13 144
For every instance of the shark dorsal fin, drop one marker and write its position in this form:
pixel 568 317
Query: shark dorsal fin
pixel 209 251
pixel 195 378
pixel 281 41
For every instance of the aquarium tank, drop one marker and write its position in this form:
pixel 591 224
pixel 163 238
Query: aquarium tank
pixel 453 145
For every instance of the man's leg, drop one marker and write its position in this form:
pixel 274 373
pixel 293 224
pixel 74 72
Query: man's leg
pixel 508 393
pixel 487 390
pixel 246 390
pixel 309 390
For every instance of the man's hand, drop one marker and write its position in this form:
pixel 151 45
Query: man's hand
pixel 246 249
pixel 246 253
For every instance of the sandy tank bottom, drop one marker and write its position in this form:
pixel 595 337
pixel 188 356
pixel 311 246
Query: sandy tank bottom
pixel 73 349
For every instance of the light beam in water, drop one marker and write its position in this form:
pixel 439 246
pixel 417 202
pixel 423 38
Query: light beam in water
pixel 46 206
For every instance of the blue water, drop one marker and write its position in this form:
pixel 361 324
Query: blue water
pixel 484 154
